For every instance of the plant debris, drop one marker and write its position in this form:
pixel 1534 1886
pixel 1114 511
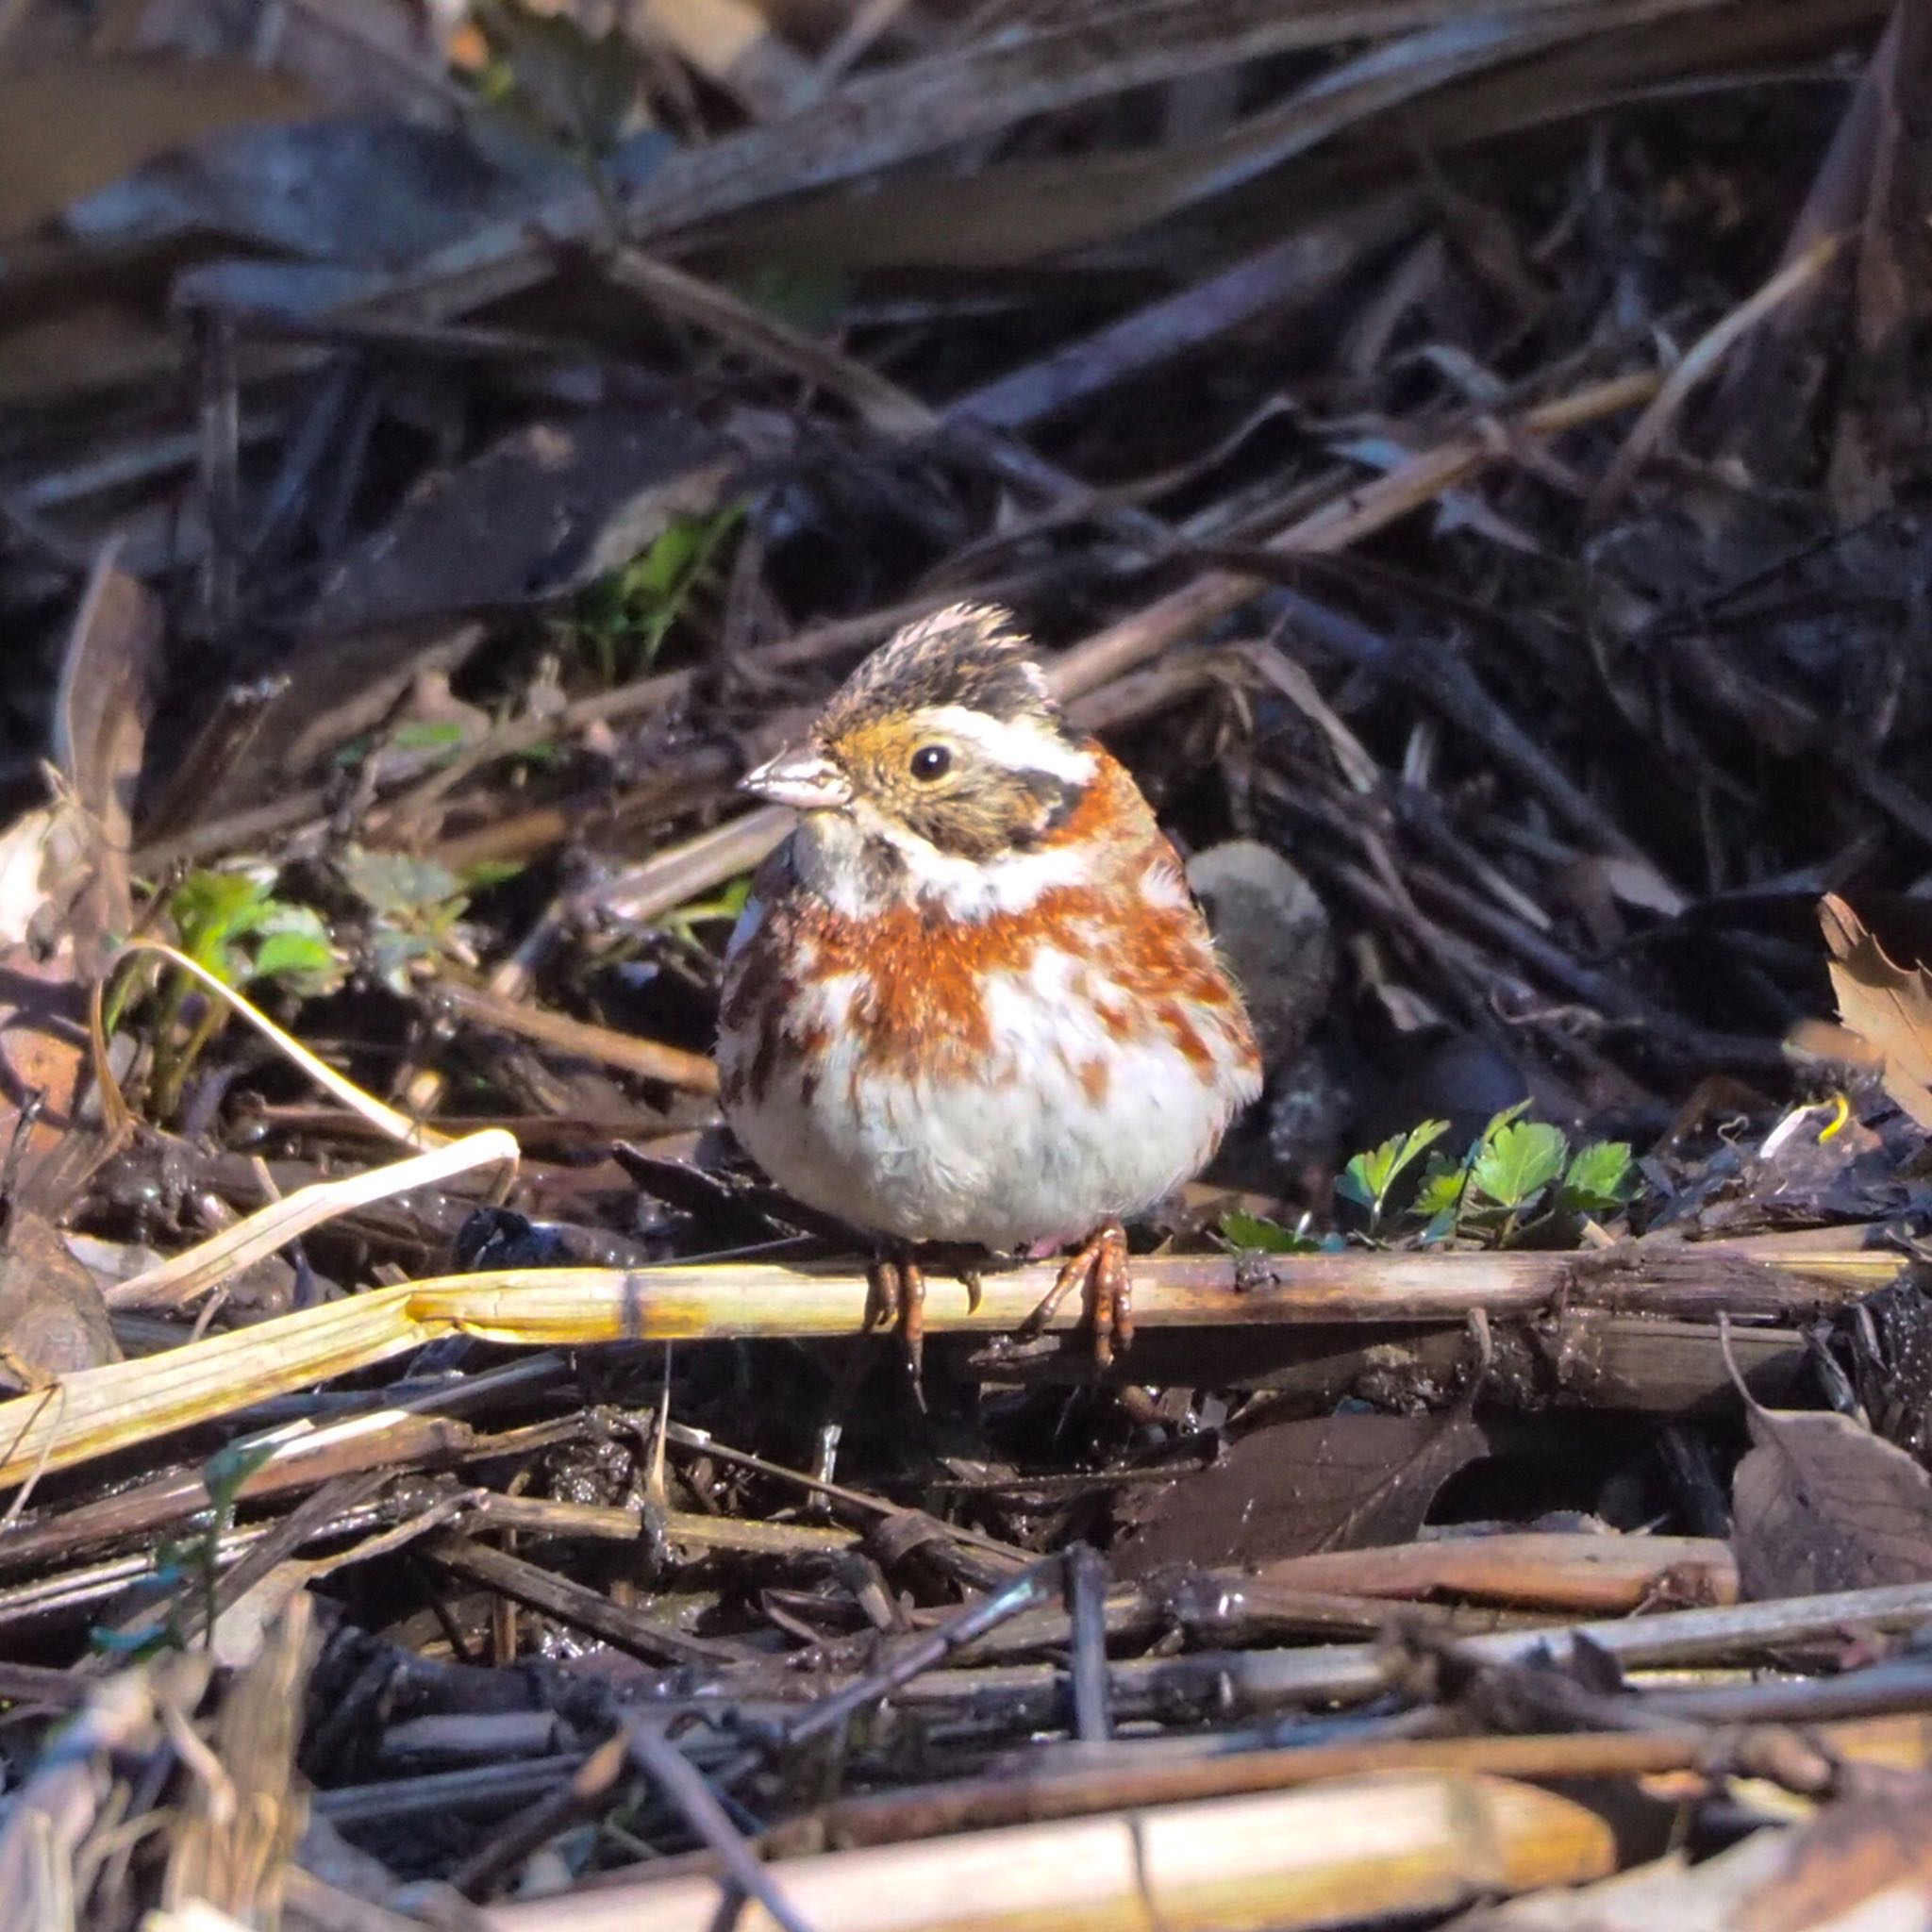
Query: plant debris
pixel 1469 461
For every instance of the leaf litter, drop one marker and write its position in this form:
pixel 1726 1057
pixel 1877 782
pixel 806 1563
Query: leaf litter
pixel 1466 459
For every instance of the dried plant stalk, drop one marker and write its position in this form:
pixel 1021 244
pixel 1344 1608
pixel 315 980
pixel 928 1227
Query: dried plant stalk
pixel 97 1411
pixel 1405 1842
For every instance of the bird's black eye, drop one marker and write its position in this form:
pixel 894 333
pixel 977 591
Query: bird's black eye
pixel 931 761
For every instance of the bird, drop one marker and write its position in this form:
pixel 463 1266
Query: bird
pixel 970 1002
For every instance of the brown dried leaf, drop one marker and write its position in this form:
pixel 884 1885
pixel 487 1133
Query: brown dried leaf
pixel 52 1318
pixel 109 678
pixel 1867 1862
pixel 1889 1006
pixel 536 515
pixel 1822 1504
pixel 1326 1483
pixel 75 123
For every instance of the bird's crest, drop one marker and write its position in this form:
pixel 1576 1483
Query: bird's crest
pixel 968 655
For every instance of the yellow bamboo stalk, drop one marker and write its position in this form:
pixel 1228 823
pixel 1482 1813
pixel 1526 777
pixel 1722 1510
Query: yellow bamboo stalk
pixel 1336 1854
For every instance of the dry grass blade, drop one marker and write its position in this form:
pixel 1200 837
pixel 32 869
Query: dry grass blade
pixel 244 1812
pixel 878 121
pixel 181 1280
pixel 52 1814
pixel 1889 1007
pixel 384 1120
pixel 1024 211
pixel 1004 1800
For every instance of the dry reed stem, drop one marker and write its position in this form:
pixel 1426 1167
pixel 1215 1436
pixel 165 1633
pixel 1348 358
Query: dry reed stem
pixel 116 1407
pixel 1399 1842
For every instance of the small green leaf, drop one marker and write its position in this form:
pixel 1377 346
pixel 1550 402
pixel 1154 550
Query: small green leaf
pixel 1519 1160
pixel 427 733
pixel 295 949
pixel 1601 1180
pixel 1443 1185
pixel 211 911
pixel 393 884
pixel 1257 1234
pixel 484 873
pixel 1367 1179
pixel 224 1472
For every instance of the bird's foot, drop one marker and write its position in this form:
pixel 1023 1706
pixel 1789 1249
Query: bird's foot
pixel 895 1297
pixel 1099 1268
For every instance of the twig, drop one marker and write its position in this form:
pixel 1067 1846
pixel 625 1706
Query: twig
pixel 685 1787
pixel 1702 358
pixel 650 1060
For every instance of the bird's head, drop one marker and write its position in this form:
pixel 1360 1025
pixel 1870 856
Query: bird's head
pixel 945 741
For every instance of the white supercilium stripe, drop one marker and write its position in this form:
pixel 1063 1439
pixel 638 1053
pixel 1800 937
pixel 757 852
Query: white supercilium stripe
pixel 1020 744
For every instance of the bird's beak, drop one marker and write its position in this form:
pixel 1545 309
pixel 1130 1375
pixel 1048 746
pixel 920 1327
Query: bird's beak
pixel 802 778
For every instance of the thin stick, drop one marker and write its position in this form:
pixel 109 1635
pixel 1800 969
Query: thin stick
pixel 651 1059
pixel 684 1784
pixel 386 1120
pixel 1705 355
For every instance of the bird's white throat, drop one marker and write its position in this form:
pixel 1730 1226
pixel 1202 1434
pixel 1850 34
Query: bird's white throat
pixel 863 863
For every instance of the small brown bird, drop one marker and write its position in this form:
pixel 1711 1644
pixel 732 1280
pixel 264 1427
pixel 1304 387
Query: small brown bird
pixel 971 1000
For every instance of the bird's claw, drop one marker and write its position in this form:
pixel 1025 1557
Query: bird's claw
pixel 895 1295
pixel 1099 1268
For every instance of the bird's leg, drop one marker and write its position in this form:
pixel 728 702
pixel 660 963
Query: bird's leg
pixel 1099 1266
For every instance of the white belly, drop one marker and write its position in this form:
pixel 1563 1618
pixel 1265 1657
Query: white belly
pixel 1036 1147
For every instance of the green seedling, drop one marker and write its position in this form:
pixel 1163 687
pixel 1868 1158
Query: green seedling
pixel 1255 1234
pixel 416 908
pixel 1368 1179
pixel 192 1563
pixel 233 927
pixel 725 904
pixel 620 620
pixel 1602 1179
pixel 1518 1172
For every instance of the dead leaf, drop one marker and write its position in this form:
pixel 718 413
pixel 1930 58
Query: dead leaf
pixel 1867 1862
pixel 78 123
pixel 52 1318
pixel 1323 1483
pixel 1822 1505
pixel 361 189
pixel 1889 1006
pixel 538 514
pixel 108 679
